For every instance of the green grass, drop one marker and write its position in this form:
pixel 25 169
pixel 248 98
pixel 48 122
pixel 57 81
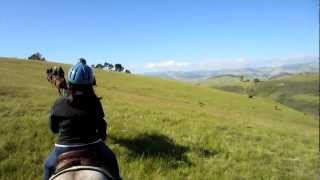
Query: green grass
pixel 161 129
pixel 300 91
pixel 231 83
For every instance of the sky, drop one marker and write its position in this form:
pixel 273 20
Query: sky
pixel 160 35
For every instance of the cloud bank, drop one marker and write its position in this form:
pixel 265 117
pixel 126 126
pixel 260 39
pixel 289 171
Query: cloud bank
pixel 216 64
pixel 170 64
pixel 174 65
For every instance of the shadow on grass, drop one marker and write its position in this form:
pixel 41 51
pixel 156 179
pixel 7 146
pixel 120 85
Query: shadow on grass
pixel 155 146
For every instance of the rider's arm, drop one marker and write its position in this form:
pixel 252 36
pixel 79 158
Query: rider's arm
pixel 53 123
pixel 53 119
pixel 102 129
pixel 101 123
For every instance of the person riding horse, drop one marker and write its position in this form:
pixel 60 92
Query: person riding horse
pixel 60 72
pixel 58 80
pixel 79 121
pixel 49 74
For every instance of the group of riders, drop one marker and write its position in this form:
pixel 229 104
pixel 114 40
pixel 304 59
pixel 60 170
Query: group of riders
pixel 55 75
pixel 78 119
pixel 54 72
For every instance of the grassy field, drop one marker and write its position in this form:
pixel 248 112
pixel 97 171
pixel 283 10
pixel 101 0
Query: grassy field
pixel 161 129
pixel 300 91
pixel 229 83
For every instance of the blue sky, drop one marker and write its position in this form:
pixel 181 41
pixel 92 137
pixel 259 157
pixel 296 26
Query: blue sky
pixel 155 35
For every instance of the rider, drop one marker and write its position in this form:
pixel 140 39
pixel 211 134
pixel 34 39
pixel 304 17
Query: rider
pixel 55 71
pixel 60 72
pixel 78 120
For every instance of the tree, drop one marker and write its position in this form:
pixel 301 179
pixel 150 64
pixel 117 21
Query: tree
pixel 118 67
pixel 110 66
pixel 128 71
pixel 251 92
pixel 256 80
pixel 106 65
pixel 241 78
pixel 37 56
pixel 100 66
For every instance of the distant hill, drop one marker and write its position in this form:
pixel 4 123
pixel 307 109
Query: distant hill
pixel 191 76
pixel 161 129
pixel 261 72
pixel 299 91
pixel 232 83
pixel 285 74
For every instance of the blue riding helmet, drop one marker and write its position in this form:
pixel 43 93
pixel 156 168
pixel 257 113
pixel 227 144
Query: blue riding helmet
pixel 80 74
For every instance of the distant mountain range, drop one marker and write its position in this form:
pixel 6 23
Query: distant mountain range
pixel 261 72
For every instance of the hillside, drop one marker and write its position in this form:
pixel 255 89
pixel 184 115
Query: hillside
pixel 227 82
pixel 161 129
pixel 298 91
pixel 257 72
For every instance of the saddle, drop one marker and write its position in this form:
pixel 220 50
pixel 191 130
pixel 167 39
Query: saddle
pixel 83 157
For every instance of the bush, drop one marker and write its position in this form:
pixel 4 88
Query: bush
pixel 36 56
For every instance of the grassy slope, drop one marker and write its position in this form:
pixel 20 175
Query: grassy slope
pixel 161 129
pixel 227 83
pixel 300 92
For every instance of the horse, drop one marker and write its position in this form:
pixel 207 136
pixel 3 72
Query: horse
pixel 84 165
pixel 82 173
pixel 56 77
pixel 60 83
pixel 49 75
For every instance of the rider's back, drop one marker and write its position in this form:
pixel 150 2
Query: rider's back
pixel 77 119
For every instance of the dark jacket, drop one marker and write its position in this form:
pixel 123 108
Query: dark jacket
pixel 78 120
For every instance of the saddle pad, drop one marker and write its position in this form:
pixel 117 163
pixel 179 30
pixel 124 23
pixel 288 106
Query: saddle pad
pixel 78 168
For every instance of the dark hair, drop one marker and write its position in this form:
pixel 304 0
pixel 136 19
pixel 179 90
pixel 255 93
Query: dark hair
pixel 86 96
pixel 87 90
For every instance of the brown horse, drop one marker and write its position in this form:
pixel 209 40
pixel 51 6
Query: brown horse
pixel 56 77
pixel 49 75
pixel 85 164
pixel 60 83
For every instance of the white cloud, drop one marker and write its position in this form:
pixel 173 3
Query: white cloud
pixel 171 64
pixel 216 64
pixel 202 65
pixel 224 64
pixel 292 60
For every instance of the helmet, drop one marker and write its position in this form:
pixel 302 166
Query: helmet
pixel 80 74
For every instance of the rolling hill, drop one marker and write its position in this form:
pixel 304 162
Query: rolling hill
pixel 228 82
pixel 161 129
pixel 258 72
pixel 298 91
